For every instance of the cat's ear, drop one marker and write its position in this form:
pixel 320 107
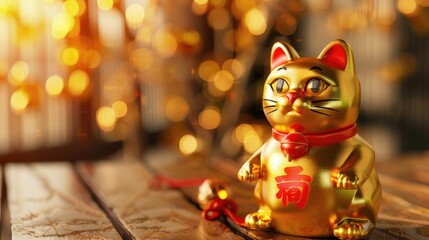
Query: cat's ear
pixel 281 53
pixel 337 54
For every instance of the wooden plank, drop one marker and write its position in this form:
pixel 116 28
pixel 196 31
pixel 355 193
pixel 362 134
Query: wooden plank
pixel 48 201
pixel 5 217
pixel 150 213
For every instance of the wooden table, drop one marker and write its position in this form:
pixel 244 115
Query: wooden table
pixel 113 199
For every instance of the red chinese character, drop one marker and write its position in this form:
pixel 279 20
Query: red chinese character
pixel 293 187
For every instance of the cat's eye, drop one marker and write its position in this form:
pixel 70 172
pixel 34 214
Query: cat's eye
pixel 279 85
pixel 315 86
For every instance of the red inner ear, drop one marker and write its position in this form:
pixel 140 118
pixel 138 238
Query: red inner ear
pixel 336 57
pixel 279 57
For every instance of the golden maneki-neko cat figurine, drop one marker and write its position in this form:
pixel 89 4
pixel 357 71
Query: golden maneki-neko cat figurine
pixel 315 175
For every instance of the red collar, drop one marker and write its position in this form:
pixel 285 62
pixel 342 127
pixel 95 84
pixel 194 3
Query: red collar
pixel 296 144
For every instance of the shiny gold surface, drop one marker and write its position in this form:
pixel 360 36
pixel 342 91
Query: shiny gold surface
pixel 343 189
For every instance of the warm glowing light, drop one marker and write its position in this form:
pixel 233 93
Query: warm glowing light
pixel 141 58
pixel 176 109
pixel 19 100
pixel 120 108
pixel 223 194
pixel 106 118
pixel 252 142
pixel 191 37
pixel 105 5
pixel 241 131
pixel 201 2
pixel 245 5
pixel 134 14
pixel 199 9
pixel 407 7
pixel 286 24
pixel 188 144
pixel 91 58
pixel 78 82
pixel 70 56
pixel 207 69
pixel 219 18
pixel 18 73
pixel 223 80
pixel 218 3
pixel 233 66
pixel 54 85
pixel 71 7
pixel 255 21
pixel 165 43
pixel 5 6
pixel 62 24
pixel 209 118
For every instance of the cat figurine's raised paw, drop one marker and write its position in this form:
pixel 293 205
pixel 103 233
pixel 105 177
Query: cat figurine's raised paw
pixel 315 175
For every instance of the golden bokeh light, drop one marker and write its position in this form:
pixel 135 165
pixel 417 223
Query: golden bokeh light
pixel 19 100
pixel 201 2
pixel 407 7
pixel 199 9
pixel 176 109
pixel 207 69
pixel 141 58
pixel 244 5
pixel 74 8
pixel 241 131
pixel 18 73
pixel 120 108
pixel 54 85
pixel 105 5
pixel 134 14
pixel 244 40
pixel 255 21
pixel 191 37
pixel 223 194
pixel 252 142
pixel 286 24
pixel 214 91
pixel 219 18
pixel 106 118
pixel 70 56
pixel 223 80
pixel 165 43
pixel 218 3
pixel 91 58
pixel 188 144
pixel 233 66
pixel 209 118
pixel 62 24
pixel 78 82
pixel 5 6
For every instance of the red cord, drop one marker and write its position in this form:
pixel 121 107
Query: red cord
pixel 219 207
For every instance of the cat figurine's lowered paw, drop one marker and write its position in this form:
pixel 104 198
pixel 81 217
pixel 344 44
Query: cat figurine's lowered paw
pixel 315 176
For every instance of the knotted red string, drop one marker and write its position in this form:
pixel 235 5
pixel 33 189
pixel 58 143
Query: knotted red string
pixel 219 207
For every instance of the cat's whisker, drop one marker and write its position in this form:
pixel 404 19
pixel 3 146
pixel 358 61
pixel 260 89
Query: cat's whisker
pixel 320 112
pixel 327 108
pixel 270 100
pixel 271 111
pixel 270 106
pixel 326 100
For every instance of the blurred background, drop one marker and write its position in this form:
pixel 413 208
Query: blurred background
pixel 89 77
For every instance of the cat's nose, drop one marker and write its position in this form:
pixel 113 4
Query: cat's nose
pixel 292 96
